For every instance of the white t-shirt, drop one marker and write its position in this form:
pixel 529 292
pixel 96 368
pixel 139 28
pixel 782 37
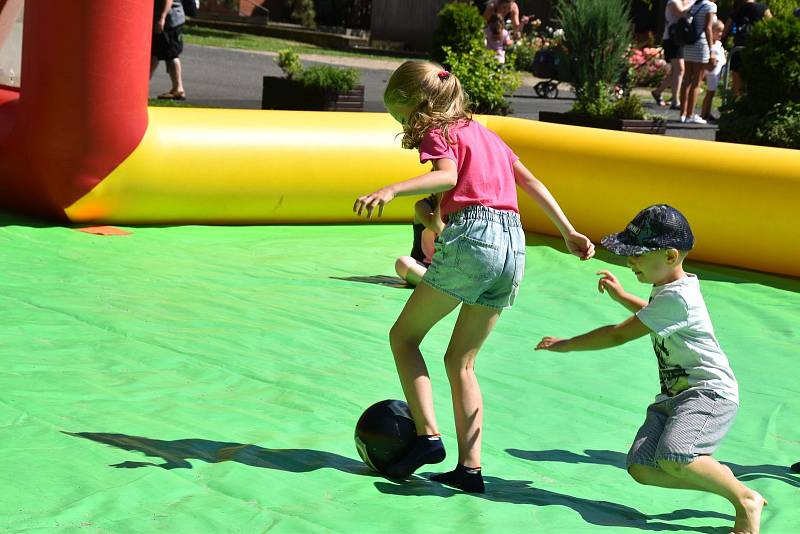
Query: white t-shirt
pixel 719 52
pixel 689 356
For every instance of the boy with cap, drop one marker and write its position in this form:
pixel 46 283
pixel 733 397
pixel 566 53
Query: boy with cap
pixel 699 394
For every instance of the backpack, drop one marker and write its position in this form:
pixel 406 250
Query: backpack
pixel 190 7
pixel 683 31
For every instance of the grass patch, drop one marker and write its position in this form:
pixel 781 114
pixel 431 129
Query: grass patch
pixel 227 39
pixel 158 103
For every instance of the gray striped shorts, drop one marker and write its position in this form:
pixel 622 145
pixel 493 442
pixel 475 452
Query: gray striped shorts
pixel 683 427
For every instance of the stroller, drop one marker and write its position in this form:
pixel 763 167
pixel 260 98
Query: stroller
pixel 545 65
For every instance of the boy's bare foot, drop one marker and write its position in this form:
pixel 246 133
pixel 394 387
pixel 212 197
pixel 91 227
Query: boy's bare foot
pixel 748 518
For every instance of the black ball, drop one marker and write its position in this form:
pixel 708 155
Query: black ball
pixel 385 432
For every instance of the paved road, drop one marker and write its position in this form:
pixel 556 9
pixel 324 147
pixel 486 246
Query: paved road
pixel 219 77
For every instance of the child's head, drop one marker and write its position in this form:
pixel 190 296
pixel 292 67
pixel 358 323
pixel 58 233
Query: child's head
pixel 655 242
pixel 717 28
pixel 496 25
pixel 421 96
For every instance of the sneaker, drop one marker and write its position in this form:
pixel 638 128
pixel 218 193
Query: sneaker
pixel 683 119
pixel 711 119
pixel 658 99
pixel 696 119
pixel 675 105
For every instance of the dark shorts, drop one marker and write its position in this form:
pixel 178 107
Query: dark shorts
pixel 168 44
pixel 736 61
pixel 671 50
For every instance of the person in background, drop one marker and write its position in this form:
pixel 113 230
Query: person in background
pixel 740 24
pixel 497 38
pixel 697 58
pixel 506 9
pixel 713 75
pixel 673 54
pixel 167 44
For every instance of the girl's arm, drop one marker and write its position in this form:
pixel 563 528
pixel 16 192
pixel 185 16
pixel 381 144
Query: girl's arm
pixel 710 36
pixel 680 8
pixel 444 176
pixel 577 243
pixel 601 338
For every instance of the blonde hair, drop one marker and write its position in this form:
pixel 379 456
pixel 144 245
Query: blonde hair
pixel 434 97
pixel 717 24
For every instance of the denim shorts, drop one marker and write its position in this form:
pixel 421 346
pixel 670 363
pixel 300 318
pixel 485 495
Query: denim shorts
pixel 683 427
pixel 479 257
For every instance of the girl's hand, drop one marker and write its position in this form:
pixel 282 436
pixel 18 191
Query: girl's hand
pixel 552 343
pixel 377 199
pixel 579 245
pixel 608 283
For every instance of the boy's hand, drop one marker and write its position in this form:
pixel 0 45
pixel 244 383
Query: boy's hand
pixel 376 199
pixel 579 245
pixel 552 343
pixel 608 283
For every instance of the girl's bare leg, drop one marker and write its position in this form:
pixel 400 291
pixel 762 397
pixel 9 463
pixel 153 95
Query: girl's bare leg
pixel 426 307
pixel 409 269
pixel 473 326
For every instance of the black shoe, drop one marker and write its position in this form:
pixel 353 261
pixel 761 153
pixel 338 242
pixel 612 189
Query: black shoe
pixel 426 450
pixel 468 479
pixel 796 467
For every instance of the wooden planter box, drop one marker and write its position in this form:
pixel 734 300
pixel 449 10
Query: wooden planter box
pixel 648 126
pixel 281 93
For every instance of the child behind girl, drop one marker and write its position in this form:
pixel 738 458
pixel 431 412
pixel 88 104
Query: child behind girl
pixel 497 37
pixel 712 76
pixel 427 225
pixel 478 261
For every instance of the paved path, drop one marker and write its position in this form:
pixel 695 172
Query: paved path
pixel 221 77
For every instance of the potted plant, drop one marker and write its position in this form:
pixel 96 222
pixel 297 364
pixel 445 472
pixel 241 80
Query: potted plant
pixel 594 47
pixel 319 88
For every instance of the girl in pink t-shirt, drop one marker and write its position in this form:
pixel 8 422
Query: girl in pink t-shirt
pixel 478 261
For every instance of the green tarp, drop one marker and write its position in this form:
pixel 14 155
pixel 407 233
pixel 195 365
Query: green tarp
pixel 208 379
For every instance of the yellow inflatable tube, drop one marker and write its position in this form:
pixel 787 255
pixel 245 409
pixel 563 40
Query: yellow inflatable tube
pixel 240 167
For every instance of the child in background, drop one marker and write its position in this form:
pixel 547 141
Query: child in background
pixel 497 37
pixel 427 225
pixel 479 257
pixel 718 61
pixel 699 394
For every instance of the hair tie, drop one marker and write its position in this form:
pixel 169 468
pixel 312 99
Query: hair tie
pixel 443 74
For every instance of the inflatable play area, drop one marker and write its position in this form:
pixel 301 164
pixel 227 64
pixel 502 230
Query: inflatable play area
pixel 203 368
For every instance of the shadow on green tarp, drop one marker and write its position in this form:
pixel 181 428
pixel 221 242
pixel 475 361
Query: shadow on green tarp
pixel 175 454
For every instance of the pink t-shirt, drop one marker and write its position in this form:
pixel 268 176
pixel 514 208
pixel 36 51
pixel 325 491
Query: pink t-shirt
pixel 485 167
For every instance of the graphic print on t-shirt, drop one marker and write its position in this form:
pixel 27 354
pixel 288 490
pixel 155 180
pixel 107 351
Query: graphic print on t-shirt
pixel 673 377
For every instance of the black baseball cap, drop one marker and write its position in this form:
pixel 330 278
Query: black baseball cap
pixel 656 227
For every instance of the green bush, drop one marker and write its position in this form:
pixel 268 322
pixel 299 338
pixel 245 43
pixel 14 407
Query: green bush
pixel 303 12
pixel 484 79
pixel 597 35
pixel 330 79
pixel 771 63
pixel 629 107
pixel 521 55
pixel 781 127
pixel 289 62
pixel 769 109
pixel 459 27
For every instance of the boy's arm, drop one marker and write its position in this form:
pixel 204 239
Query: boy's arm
pixel 577 242
pixel 608 283
pixel 601 338
pixel 443 177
